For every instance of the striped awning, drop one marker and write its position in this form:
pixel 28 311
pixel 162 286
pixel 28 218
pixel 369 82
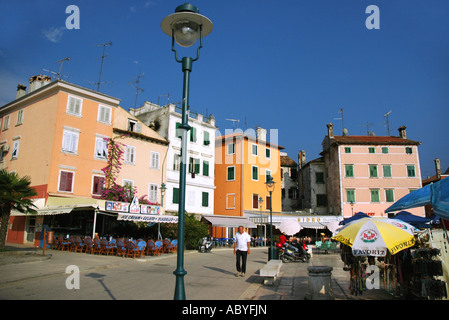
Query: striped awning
pixel 229 221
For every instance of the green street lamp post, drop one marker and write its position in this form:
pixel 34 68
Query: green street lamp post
pixel 270 186
pixel 185 26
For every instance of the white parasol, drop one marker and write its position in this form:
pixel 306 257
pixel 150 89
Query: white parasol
pixel 290 226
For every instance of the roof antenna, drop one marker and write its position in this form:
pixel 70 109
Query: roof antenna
pixel 59 74
pixel 343 130
pixel 137 82
pixel 387 122
pixel 233 122
pixel 102 60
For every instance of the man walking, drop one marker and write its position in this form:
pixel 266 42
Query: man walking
pixel 241 250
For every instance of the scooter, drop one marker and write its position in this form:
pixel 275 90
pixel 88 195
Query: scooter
pixel 289 253
pixel 205 245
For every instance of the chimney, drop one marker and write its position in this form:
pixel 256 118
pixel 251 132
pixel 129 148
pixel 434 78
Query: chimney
pixel 261 134
pixel 402 132
pixel 39 81
pixel 330 130
pixel 302 158
pixel 438 168
pixel 21 91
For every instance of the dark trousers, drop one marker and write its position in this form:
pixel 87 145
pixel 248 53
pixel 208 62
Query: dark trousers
pixel 241 260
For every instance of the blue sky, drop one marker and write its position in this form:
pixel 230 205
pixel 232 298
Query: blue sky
pixel 288 65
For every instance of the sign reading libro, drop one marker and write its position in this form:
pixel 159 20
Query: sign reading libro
pixel 139 212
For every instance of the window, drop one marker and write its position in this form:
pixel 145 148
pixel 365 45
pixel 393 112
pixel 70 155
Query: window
pixel 372 150
pixel 154 160
pixel 321 200
pixel 101 148
pixel 389 195
pixel 293 193
pixel 230 201
pixel 152 192
pixel 194 165
pixel 104 114
pixel 176 162
pixel 408 150
pixel 350 195
pixel 130 154
pixel 255 201
pixel 387 171
pixel 267 174
pixel 19 117
pixel 192 134
pixel 349 169
pixel 373 171
pixel 206 168
pixel 132 125
pixel 205 199
pixel 255 173
pixel 267 153
pixel 175 195
pixel 283 193
pixel 231 148
pixel 319 177
pixel 267 202
pixel 375 195
pixel 385 150
pixel 6 122
pixel 97 185
pixel 411 171
pixel 206 138
pixel 254 149
pixel 65 181
pixel 15 149
pixel 347 149
pixel 178 131
pixel 231 173
pixel 74 106
pixel 70 141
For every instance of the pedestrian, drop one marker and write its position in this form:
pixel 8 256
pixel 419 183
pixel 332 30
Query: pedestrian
pixel 241 250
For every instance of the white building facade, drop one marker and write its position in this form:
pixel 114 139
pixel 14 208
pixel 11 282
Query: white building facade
pixel 200 184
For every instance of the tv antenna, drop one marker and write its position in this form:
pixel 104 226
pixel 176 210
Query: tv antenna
pixel 343 130
pixel 59 74
pixel 137 82
pixel 387 122
pixel 369 133
pixel 233 122
pixel 104 45
pixel 163 95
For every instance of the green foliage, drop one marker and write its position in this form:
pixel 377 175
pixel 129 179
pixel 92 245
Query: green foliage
pixel 194 230
pixel 15 193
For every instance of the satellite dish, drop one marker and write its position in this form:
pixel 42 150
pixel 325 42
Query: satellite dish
pixel 345 131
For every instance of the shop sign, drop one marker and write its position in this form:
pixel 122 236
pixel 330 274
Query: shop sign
pixel 133 207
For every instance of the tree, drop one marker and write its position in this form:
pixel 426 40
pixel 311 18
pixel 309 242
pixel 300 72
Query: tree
pixel 15 193
pixel 194 230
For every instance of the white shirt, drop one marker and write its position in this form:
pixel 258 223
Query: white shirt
pixel 242 240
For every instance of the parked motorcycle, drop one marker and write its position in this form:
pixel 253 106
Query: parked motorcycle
pixel 289 253
pixel 205 245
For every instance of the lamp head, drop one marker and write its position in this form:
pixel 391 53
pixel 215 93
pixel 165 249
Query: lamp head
pixel 270 183
pixel 186 25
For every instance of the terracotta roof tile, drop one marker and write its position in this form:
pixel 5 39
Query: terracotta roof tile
pixel 373 140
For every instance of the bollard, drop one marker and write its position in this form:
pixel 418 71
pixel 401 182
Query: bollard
pixel 320 286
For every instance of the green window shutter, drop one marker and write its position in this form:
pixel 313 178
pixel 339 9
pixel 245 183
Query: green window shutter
pixel 372 150
pixel 197 166
pixel 349 168
pixel 350 196
pixel 411 171
pixel 175 195
pixel 231 173
pixel 389 194
pixel 387 171
pixel 178 131
pixel 255 173
pixel 206 140
pixel 267 153
pixel 384 149
pixel 375 195
pixel 347 149
pixel 373 171
pixel 193 134
pixel 206 168
pixel 205 202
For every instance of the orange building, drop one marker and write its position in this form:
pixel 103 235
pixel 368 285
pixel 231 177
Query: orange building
pixel 57 135
pixel 242 165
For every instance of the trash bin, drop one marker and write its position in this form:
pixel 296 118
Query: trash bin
pixel 320 286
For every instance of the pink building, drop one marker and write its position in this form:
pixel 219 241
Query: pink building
pixel 369 173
